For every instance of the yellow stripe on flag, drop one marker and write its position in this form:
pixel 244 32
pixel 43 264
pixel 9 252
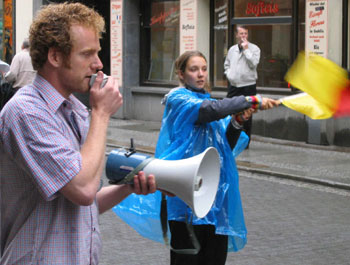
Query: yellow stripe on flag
pixel 307 105
pixel 318 77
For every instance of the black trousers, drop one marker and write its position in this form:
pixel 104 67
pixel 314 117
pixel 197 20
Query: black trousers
pixel 243 91
pixel 213 247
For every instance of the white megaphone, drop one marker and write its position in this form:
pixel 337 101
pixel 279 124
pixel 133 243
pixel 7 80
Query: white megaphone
pixel 195 180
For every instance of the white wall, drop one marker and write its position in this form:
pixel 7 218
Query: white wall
pixel 24 16
pixel 331 126
pixel 335 31
pixel 203 27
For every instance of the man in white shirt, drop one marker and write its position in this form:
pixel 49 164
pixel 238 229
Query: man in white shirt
pixel 240 68
pixel 21 70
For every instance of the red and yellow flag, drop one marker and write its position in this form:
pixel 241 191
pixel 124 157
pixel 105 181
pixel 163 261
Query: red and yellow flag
pixel 326 87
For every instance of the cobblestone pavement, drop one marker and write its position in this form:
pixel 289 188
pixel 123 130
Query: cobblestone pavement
pixel 295 198
pixel 288 222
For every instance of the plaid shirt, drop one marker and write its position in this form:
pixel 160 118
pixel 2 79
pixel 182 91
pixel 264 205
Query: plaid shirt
pixel 41 134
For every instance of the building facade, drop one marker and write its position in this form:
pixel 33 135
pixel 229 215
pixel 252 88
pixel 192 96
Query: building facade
pixel 144 37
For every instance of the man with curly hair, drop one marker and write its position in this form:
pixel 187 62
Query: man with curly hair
pixel 52 149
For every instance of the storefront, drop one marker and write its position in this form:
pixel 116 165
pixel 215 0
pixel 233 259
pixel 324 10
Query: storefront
pixel 277 27
pixel 281 28
pixel 144 37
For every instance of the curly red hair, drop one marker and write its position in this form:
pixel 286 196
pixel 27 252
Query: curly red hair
pixel 51 28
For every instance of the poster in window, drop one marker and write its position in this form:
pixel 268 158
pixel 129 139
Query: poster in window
pixel 316 27
pixel 117 40
pixel 7 40
pixel 164 40
pixel 188 21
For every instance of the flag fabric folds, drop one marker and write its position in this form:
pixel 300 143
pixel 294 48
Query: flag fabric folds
pixel 307 105
pixel 326 87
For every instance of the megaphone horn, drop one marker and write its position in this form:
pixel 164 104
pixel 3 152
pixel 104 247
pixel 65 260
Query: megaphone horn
pixel 195 180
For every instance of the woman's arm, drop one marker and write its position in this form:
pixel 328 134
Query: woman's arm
pixel 212 110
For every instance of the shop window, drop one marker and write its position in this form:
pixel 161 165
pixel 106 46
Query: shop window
pixel 159 41
pixel 220 43
pixel 6 41
pixel 270 28
pixel 277 27
pixel 276 56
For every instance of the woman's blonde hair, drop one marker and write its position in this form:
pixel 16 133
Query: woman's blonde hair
pixel 181 64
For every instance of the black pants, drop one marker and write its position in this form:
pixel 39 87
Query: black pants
pixel 213 247
pixel 243 91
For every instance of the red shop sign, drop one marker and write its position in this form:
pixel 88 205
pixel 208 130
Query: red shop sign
pixel 160 19
pixel 261 8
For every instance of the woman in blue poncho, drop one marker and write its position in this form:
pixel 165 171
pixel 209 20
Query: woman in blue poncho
pixel 192 122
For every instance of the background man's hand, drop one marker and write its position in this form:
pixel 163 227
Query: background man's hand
pixel 244 43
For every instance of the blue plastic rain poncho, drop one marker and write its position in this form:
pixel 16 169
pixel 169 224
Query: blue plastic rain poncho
pixel 181 138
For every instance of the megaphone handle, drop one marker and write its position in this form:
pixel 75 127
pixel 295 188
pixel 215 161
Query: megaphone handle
pixel 128 178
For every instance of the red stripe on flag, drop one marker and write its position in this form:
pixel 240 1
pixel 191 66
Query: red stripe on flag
pixel 343 108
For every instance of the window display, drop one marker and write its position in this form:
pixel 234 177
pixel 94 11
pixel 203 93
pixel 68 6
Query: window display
pixel 220 43
pixel 270 26
pixel 6 30
pixel 276 56
pixel 161 27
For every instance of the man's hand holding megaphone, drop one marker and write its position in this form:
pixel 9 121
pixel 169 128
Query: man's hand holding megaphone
pixel 145 185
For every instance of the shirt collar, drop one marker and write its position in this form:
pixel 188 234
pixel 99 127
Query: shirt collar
pixel 195 89
pixel 54 99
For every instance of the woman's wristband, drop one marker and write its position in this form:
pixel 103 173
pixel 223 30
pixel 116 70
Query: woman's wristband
pixel 255 101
